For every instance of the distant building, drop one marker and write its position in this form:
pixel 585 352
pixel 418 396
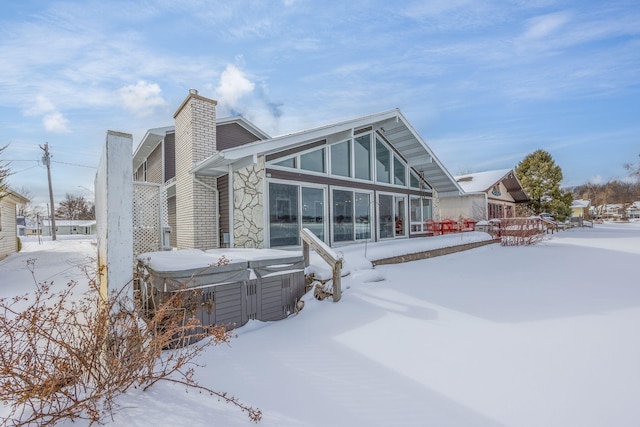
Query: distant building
pixel 580 208
pixel 487 195
pixel 68 227
pixel 633 211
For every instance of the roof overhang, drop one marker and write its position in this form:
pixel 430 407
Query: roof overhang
pixel 149 142
pixel 13 196
pixel 241 121
pixel 514 188
pixel 392 125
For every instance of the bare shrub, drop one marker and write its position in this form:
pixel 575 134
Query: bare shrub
pixel 520 231
pixel 71 357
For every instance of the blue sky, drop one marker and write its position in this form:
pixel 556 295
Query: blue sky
pixel 484 82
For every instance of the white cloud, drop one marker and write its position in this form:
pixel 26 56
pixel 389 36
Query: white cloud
pixel 55 122
pixel 596 179
pixel 141 98
pixel 233 86
pixel 43 105
pixel 238 95
pixel 542 26
pixel 52 119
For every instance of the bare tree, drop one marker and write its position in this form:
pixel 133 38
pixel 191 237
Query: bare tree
pixel 4 173
pixel 634 170
pixel 75 207
pixel 29 210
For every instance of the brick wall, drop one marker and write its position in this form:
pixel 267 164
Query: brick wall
pixel 196 210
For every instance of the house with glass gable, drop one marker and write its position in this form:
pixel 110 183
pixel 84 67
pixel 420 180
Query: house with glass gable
pixel 229 184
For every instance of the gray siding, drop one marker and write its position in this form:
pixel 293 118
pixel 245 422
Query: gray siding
pixel 169 156
pixel 233 135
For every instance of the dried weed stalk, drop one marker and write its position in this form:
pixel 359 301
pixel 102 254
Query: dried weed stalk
pixel 70 357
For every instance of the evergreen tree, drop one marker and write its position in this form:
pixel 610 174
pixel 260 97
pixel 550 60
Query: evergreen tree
pixel 541 177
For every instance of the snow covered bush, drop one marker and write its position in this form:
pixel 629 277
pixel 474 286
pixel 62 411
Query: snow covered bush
pixel 71 357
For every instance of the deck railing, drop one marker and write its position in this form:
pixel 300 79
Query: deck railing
pixel 327 254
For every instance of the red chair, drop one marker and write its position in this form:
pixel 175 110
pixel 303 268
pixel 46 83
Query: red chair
pixel 433 227
pixel 448 226
pixel 469 224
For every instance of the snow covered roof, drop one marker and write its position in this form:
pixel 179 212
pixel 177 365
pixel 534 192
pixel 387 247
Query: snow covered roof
pixel 481 182
pixel 581 203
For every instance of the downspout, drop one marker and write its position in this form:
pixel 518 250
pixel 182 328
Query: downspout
pixel 216 196
pixel 231 207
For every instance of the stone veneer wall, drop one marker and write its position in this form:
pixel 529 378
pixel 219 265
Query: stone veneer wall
pixel 435 209
pixel 196 205
pixel 248 206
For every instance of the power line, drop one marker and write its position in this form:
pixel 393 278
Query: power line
pixel 22 170
pixel 74 164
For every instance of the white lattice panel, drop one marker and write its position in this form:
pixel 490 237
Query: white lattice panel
pixel 150 213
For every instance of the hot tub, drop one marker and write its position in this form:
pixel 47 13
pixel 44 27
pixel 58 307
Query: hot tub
pixel 262 284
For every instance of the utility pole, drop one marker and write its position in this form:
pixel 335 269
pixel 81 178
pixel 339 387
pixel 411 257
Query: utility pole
pixel 46 159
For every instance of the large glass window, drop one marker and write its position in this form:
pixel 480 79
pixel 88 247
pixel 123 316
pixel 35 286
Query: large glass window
pixel 383 162
pixel 392 216
pixel 287 163
pixel 313 212
pixel 363 216
pixel 342 215
pixel 385 216
pixel 341 159
pixel 420 213
pixel 362 157
pixel 399 172
pixel 400 217
pixel 284 228
pixel 416 214
pixel 313 161
pixel 414 181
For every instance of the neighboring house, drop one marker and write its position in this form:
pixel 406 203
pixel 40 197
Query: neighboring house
pixel 487 195
pixel 9 200
pixel 229 184
pixel 580 208
pixel 65 227
pixel 609 211
pixel 32 227
pixel 633 211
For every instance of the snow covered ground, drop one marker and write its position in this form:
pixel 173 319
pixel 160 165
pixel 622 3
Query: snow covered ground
pixel 543 335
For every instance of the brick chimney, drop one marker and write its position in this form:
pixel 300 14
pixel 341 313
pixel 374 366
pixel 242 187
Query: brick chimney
pixel 196 196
